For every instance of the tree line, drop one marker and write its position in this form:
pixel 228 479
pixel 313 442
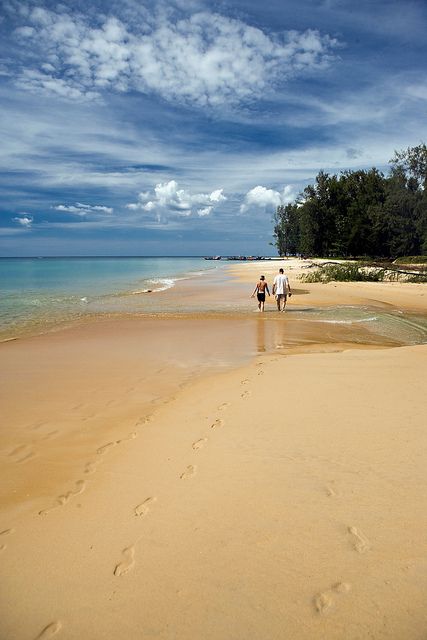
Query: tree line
pixel 360 213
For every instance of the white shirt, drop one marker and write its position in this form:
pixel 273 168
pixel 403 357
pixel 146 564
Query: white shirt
pixel 281 284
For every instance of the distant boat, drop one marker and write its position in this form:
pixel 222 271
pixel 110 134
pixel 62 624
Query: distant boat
pixel 213 258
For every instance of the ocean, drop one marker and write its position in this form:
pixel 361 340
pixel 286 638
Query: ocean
pixel 39 293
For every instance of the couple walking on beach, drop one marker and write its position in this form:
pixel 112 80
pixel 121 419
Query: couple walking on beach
pixel 281 290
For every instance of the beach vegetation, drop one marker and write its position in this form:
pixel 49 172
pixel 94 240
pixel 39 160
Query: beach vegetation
pixel 356 271
pixel 411 260
pixel 360 212
pixel 351 272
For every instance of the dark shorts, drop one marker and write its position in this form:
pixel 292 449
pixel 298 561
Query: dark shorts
pixel 261 297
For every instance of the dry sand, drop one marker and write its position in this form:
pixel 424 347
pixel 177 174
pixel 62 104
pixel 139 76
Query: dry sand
pixel 284 497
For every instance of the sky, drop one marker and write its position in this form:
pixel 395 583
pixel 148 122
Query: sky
pixel 177 127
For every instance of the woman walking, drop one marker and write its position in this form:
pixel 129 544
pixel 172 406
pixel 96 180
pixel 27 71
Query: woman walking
pixel 260 290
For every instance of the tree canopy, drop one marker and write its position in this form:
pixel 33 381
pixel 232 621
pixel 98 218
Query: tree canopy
pixel 360 213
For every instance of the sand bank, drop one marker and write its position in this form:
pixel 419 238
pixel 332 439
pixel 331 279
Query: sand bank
pixel 207 477
pixel 399 295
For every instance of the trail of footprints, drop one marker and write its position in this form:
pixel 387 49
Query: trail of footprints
pixel 24 452
pixel 62 499
pixel 323 601
pixel 127 561
pixel 90 468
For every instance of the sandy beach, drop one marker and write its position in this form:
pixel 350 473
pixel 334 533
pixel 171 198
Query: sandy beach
pixel 217 476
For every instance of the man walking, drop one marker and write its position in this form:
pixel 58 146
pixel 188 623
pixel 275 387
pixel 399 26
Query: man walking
pixel 281 289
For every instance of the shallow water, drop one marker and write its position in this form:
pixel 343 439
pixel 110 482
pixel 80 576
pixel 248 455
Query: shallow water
pixel 401 327
pixel 40 295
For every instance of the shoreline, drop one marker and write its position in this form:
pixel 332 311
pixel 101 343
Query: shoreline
pixel 187 473
pixel 194 297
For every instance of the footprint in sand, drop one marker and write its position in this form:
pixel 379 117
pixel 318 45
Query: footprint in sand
pixel 37 425
pixel 260 372
pixel 189 472
pixel 4 534
pixel 80 487
pixel 198 444
pixel 65 497
pixel 245 381
pixel 49 435
pixel 143 508
pixel 88 417
pixel 361 543
pixel 218 423
pixel 22 453
pixel 330 490
pixel 90 467
pixel 105 447
pixel 325 600
pixel 131 436
pixel 144 420
pixel 245 394
pixel 223 406
pixel 127 563
pixel 51 630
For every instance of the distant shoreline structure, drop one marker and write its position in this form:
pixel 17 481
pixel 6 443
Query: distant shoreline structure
pixel 251 258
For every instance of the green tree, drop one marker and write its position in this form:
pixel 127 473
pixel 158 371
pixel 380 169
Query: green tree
pixel 360 212
pixel 413 161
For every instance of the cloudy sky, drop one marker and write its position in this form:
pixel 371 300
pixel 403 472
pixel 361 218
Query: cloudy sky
pixel 135 127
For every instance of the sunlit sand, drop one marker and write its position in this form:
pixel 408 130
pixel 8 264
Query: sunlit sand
pixel 229 476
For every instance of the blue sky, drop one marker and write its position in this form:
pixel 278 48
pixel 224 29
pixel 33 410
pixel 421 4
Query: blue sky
pixel 176 128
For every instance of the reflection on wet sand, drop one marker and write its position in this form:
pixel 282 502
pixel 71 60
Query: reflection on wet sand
pixel 290 333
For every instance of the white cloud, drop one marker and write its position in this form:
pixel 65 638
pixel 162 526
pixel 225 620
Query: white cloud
pixel 266 199
pixel 26 221
pixel 206 59
pixel 168 200
pixel 81 209
pixel 204 212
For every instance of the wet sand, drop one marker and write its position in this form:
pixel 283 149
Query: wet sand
pixel 216 477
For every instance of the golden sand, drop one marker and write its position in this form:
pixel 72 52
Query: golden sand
pixel 185 478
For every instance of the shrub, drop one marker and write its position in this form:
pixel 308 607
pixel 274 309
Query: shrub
pixel 345 273
pixel 411 260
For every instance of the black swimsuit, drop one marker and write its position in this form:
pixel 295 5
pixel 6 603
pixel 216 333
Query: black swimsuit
pixel 261 297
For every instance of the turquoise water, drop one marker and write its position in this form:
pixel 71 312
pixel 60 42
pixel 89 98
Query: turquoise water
pixel 40 292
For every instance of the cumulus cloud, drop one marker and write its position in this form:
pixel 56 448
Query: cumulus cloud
pixel 25 221
pixel 266 199
pixel 81 209
pixel 168 200
pixel 204 59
